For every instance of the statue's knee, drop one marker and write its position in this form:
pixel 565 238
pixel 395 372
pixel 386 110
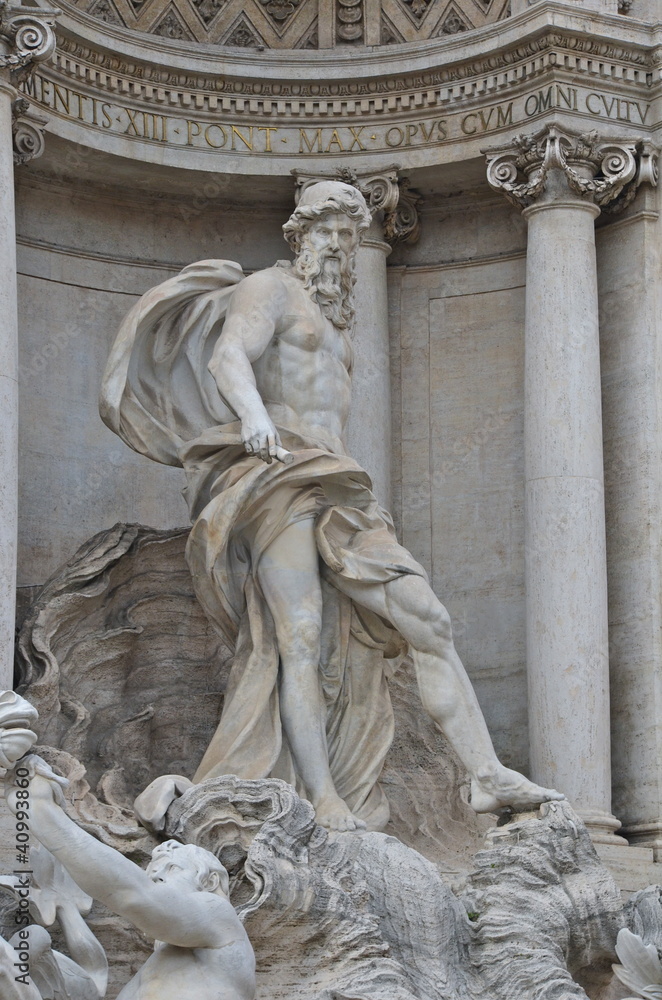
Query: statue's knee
pixel 300 634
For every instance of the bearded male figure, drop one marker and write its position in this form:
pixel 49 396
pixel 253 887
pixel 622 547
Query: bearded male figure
pixel 245 382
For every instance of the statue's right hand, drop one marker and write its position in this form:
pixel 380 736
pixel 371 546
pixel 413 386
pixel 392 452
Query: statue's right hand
pixel 33 774
pixel 260 438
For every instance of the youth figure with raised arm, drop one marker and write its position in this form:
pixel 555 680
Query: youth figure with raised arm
pixel 201 950
pixel 296 564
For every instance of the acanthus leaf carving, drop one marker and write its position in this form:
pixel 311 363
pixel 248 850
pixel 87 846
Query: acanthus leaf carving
pixel 607 173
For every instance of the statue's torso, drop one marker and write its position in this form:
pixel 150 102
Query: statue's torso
pixel 305 370
pixel 172 973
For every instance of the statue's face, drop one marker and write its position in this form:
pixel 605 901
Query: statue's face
pixel 165 868
pixel 332 233
pixel 176 864
pixel 169 865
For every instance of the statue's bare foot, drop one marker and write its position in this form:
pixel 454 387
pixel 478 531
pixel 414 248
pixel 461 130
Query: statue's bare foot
pixel 500 788
pixel 332 813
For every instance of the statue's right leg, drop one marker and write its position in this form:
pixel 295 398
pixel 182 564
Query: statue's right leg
pixel 288 574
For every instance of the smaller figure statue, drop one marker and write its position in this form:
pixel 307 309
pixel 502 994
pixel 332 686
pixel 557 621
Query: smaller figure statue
pixel 201 950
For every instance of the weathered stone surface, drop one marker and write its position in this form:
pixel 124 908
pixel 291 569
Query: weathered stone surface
pixel 537 917
pixel 545 910
pixel 121 663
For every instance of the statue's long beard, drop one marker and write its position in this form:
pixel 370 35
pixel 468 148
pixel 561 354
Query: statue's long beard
pixel 330 282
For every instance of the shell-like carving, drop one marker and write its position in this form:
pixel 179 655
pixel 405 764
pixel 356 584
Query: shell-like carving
pixel 640 970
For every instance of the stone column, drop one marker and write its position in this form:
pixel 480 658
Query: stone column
pixel 394 219
pixel 26 36
pixel 561 181
pixel 629 266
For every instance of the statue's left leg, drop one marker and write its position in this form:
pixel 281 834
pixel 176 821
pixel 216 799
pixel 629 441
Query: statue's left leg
pixel 412 607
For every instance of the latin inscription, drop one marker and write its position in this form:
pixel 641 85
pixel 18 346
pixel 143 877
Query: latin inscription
pixel 154 127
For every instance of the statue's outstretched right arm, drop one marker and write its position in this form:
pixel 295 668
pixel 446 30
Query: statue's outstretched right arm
pixel 159 909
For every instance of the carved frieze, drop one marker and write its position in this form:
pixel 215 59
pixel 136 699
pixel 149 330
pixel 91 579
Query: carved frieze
pixel 362 111
pixel 443 84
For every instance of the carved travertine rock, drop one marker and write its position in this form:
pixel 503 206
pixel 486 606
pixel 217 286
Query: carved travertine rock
pixel 123 610
pixel 538 912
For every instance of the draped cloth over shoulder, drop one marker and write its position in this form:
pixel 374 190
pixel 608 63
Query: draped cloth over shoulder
pixel 160 398
pixel 157 393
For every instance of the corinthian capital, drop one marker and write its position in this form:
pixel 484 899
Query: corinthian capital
pixel 26 37
pixel 596 169
pixel 388 196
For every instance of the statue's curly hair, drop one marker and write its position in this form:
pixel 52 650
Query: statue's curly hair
pixel 349 203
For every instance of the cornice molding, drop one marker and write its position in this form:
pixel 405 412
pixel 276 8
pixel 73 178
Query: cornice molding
pixel 158 85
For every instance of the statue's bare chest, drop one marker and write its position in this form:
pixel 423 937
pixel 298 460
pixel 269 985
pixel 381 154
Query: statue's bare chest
pixel 306 329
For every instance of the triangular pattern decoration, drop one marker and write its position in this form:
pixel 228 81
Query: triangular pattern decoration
pixel 294 24
pixel 208 9
pixel 389 35
pixel 452 22
pixel 280 12
pixel 243 35
pixel 171 25
pixel 106 11
pixel 417 8
pixel 311 38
